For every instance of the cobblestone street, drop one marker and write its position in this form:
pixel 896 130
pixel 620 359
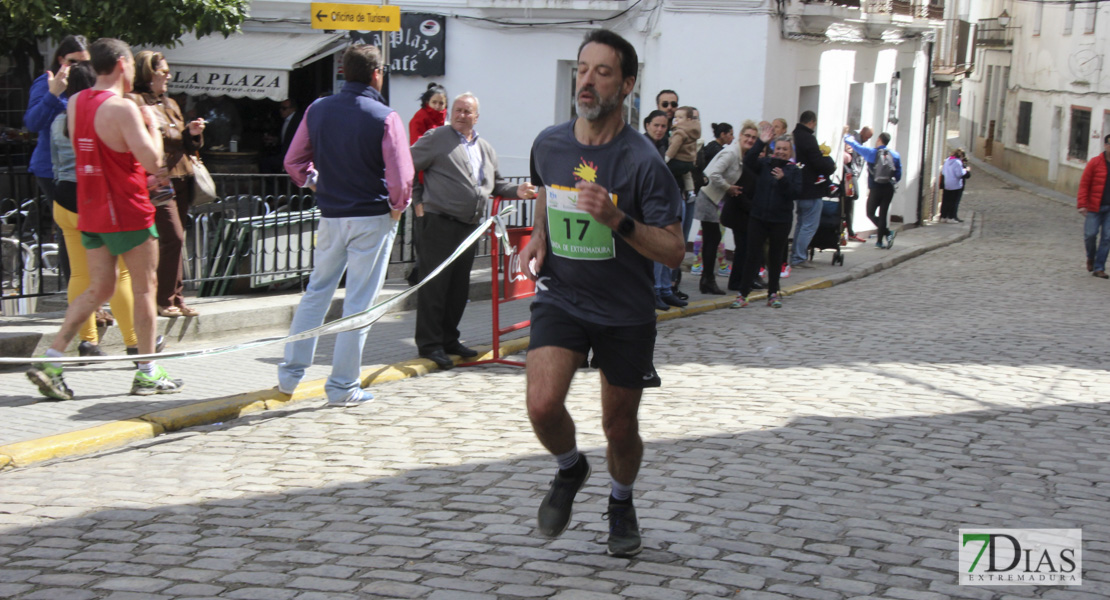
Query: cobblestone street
pixel 828 450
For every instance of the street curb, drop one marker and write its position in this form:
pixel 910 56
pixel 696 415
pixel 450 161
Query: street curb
pixel 112 435
pixel 73 443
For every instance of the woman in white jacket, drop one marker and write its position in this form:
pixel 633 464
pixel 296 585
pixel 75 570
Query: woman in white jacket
pixel 723 173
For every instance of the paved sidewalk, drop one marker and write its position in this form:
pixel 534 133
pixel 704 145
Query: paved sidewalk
pixel 223 387
pixel 829 450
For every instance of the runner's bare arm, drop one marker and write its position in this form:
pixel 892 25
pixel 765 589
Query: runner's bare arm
pixel 660 244
pixel 142 138
pixel 537 246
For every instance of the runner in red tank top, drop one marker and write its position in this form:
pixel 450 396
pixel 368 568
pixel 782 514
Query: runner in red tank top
pixel 115 150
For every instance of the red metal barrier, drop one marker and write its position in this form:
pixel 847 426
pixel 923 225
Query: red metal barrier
pixel 509 283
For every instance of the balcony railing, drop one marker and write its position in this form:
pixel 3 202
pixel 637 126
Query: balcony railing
pixel 918 9
pixel 990 34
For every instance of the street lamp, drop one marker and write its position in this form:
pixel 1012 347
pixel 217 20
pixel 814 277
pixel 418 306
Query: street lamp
pixel 1004 19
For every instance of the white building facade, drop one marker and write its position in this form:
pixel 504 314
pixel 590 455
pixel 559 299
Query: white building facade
pixel 734 60
pixel 1040 80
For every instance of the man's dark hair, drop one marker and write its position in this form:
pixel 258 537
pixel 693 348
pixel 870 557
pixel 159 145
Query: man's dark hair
pixel 360 61
pixel 1106 140
pixel 807 117
pixel 69 45
pixel 105 52
pixel 884 138
pixel 652 115
pixel 660 95
pixel 626 54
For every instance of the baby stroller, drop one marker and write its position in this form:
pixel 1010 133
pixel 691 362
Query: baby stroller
pixel 830 231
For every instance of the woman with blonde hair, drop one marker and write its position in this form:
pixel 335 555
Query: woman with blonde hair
pixel 779 183
pixel 171 205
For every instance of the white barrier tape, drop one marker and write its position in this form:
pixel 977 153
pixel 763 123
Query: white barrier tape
pixel 360 320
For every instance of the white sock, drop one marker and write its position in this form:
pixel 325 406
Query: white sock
pixel 620 491
pixel 568 459
pixel 52 353
pixel 147 368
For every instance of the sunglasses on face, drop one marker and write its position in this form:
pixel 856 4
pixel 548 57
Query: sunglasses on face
pixel 73 61
pixel 666 104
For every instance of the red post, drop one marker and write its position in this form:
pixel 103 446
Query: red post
pixel 515 286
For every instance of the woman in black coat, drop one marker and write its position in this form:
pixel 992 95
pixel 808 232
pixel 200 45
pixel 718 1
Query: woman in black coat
pixel 778 183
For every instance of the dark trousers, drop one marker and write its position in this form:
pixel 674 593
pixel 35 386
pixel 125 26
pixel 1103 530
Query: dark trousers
pixel 775 234
pixel 441 302
pixel 950 203
pixel 710 239
pixel 849 205
pixel 878 204
pixel 184 193
pixel 739 255
pixel 171 238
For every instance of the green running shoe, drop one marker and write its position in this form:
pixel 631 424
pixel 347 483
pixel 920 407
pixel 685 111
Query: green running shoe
pixel 158 382
pixel 624 530
pixel 49 380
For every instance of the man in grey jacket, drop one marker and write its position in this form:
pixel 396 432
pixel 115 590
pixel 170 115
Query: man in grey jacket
pixel 460 174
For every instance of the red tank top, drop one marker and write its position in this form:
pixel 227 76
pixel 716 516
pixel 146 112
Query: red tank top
pixel 111 186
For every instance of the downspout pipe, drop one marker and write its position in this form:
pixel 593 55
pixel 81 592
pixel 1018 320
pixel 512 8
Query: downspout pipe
pixel 925 139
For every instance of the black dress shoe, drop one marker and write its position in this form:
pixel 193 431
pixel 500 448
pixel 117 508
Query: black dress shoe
pixel 660 305
pixel 674 300
pixel 459 349
pixel 759 284
pixel 681 294
pixel 440 358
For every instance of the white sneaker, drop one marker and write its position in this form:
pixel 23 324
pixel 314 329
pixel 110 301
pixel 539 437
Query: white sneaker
pixel 355 398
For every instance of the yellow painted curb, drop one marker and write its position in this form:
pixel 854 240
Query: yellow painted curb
pixel 84 441
pixel 211 411
pixel 5 461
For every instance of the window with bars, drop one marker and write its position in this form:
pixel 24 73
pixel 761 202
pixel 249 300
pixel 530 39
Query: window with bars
pixel 1080 133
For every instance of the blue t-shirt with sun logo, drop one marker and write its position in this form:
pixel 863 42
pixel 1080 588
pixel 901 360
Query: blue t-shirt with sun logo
pixel 589 270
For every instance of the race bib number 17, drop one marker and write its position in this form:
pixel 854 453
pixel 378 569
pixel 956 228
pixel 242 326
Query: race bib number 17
pixel 574 233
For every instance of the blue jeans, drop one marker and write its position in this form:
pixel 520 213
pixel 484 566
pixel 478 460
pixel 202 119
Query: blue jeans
pixel 1097 221
pixel 809 217
pixel 663 280
pixel 360 246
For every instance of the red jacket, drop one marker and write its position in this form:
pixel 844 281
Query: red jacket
pixel 426 118
pixel 1092 183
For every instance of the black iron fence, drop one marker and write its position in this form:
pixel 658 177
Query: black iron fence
pixel 260 235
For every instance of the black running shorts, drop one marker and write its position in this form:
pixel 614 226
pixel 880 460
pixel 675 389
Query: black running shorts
pixel 623 353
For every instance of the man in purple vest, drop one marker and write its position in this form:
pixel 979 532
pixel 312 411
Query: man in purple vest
pixel 359 150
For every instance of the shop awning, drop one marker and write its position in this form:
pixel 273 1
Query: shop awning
pixel 245 65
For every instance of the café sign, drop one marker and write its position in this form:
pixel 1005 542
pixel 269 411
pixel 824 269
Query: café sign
pixel 227 81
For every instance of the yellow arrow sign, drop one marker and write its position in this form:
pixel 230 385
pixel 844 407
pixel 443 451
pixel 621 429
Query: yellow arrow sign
pixel 358 17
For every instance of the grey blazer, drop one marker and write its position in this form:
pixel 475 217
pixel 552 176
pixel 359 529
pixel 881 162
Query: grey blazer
pixel 449 186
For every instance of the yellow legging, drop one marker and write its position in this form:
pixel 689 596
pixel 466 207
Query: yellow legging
pixel 122 302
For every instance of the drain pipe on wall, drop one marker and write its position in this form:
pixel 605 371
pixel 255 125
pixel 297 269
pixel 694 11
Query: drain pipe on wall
pixel 925 141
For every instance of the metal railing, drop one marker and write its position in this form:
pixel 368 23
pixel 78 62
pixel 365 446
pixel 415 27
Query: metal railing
pixel 989 33
pixel 236 244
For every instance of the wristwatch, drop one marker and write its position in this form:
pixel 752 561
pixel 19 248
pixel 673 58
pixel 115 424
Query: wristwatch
pixel 626 226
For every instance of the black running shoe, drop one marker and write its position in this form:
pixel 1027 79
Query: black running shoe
pixel 624 530
pixel 556 508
